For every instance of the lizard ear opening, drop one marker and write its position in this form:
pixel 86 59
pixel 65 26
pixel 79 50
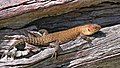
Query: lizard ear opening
pixel 88 30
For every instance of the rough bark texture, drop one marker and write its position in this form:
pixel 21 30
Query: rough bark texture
pixel 103 51
pixel 45 9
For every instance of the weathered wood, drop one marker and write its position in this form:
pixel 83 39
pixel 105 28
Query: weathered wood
pixel 23 19
pixel 105 44
pixel 78 53
pixel 104 14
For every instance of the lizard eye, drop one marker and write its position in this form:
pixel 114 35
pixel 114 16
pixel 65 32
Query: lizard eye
pixel 83 31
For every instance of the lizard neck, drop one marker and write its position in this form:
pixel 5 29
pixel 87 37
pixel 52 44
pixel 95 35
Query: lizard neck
pixel 78 29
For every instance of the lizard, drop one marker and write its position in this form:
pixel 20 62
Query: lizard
pixel 59 37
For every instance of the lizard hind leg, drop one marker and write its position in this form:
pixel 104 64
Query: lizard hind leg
pixel 57 47
pixel 41 32
pixel 20 45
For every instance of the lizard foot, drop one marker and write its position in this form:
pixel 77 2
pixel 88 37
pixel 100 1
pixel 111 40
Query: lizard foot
pixel 58 49
pixel 40 33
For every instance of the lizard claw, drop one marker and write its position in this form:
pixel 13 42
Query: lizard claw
pixel 54 55
pixel 58 49
pixel 43 32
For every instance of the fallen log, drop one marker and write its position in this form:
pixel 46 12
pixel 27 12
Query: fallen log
pixel 79 53
pixel 23 12
pixel 105 44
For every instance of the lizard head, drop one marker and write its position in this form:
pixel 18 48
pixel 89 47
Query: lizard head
pixel 90 29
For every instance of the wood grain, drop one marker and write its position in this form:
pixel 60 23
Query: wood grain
pixel 104 48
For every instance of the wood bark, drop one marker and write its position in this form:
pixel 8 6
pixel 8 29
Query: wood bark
pixel 22 14
pixel 103 51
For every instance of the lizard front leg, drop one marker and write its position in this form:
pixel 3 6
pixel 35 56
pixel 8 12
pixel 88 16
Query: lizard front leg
pixel 84 37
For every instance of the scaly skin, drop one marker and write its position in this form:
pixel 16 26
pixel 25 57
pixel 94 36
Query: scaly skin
pixel 61 37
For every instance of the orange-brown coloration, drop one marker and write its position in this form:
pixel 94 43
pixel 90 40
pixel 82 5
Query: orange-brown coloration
pixel 62 36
